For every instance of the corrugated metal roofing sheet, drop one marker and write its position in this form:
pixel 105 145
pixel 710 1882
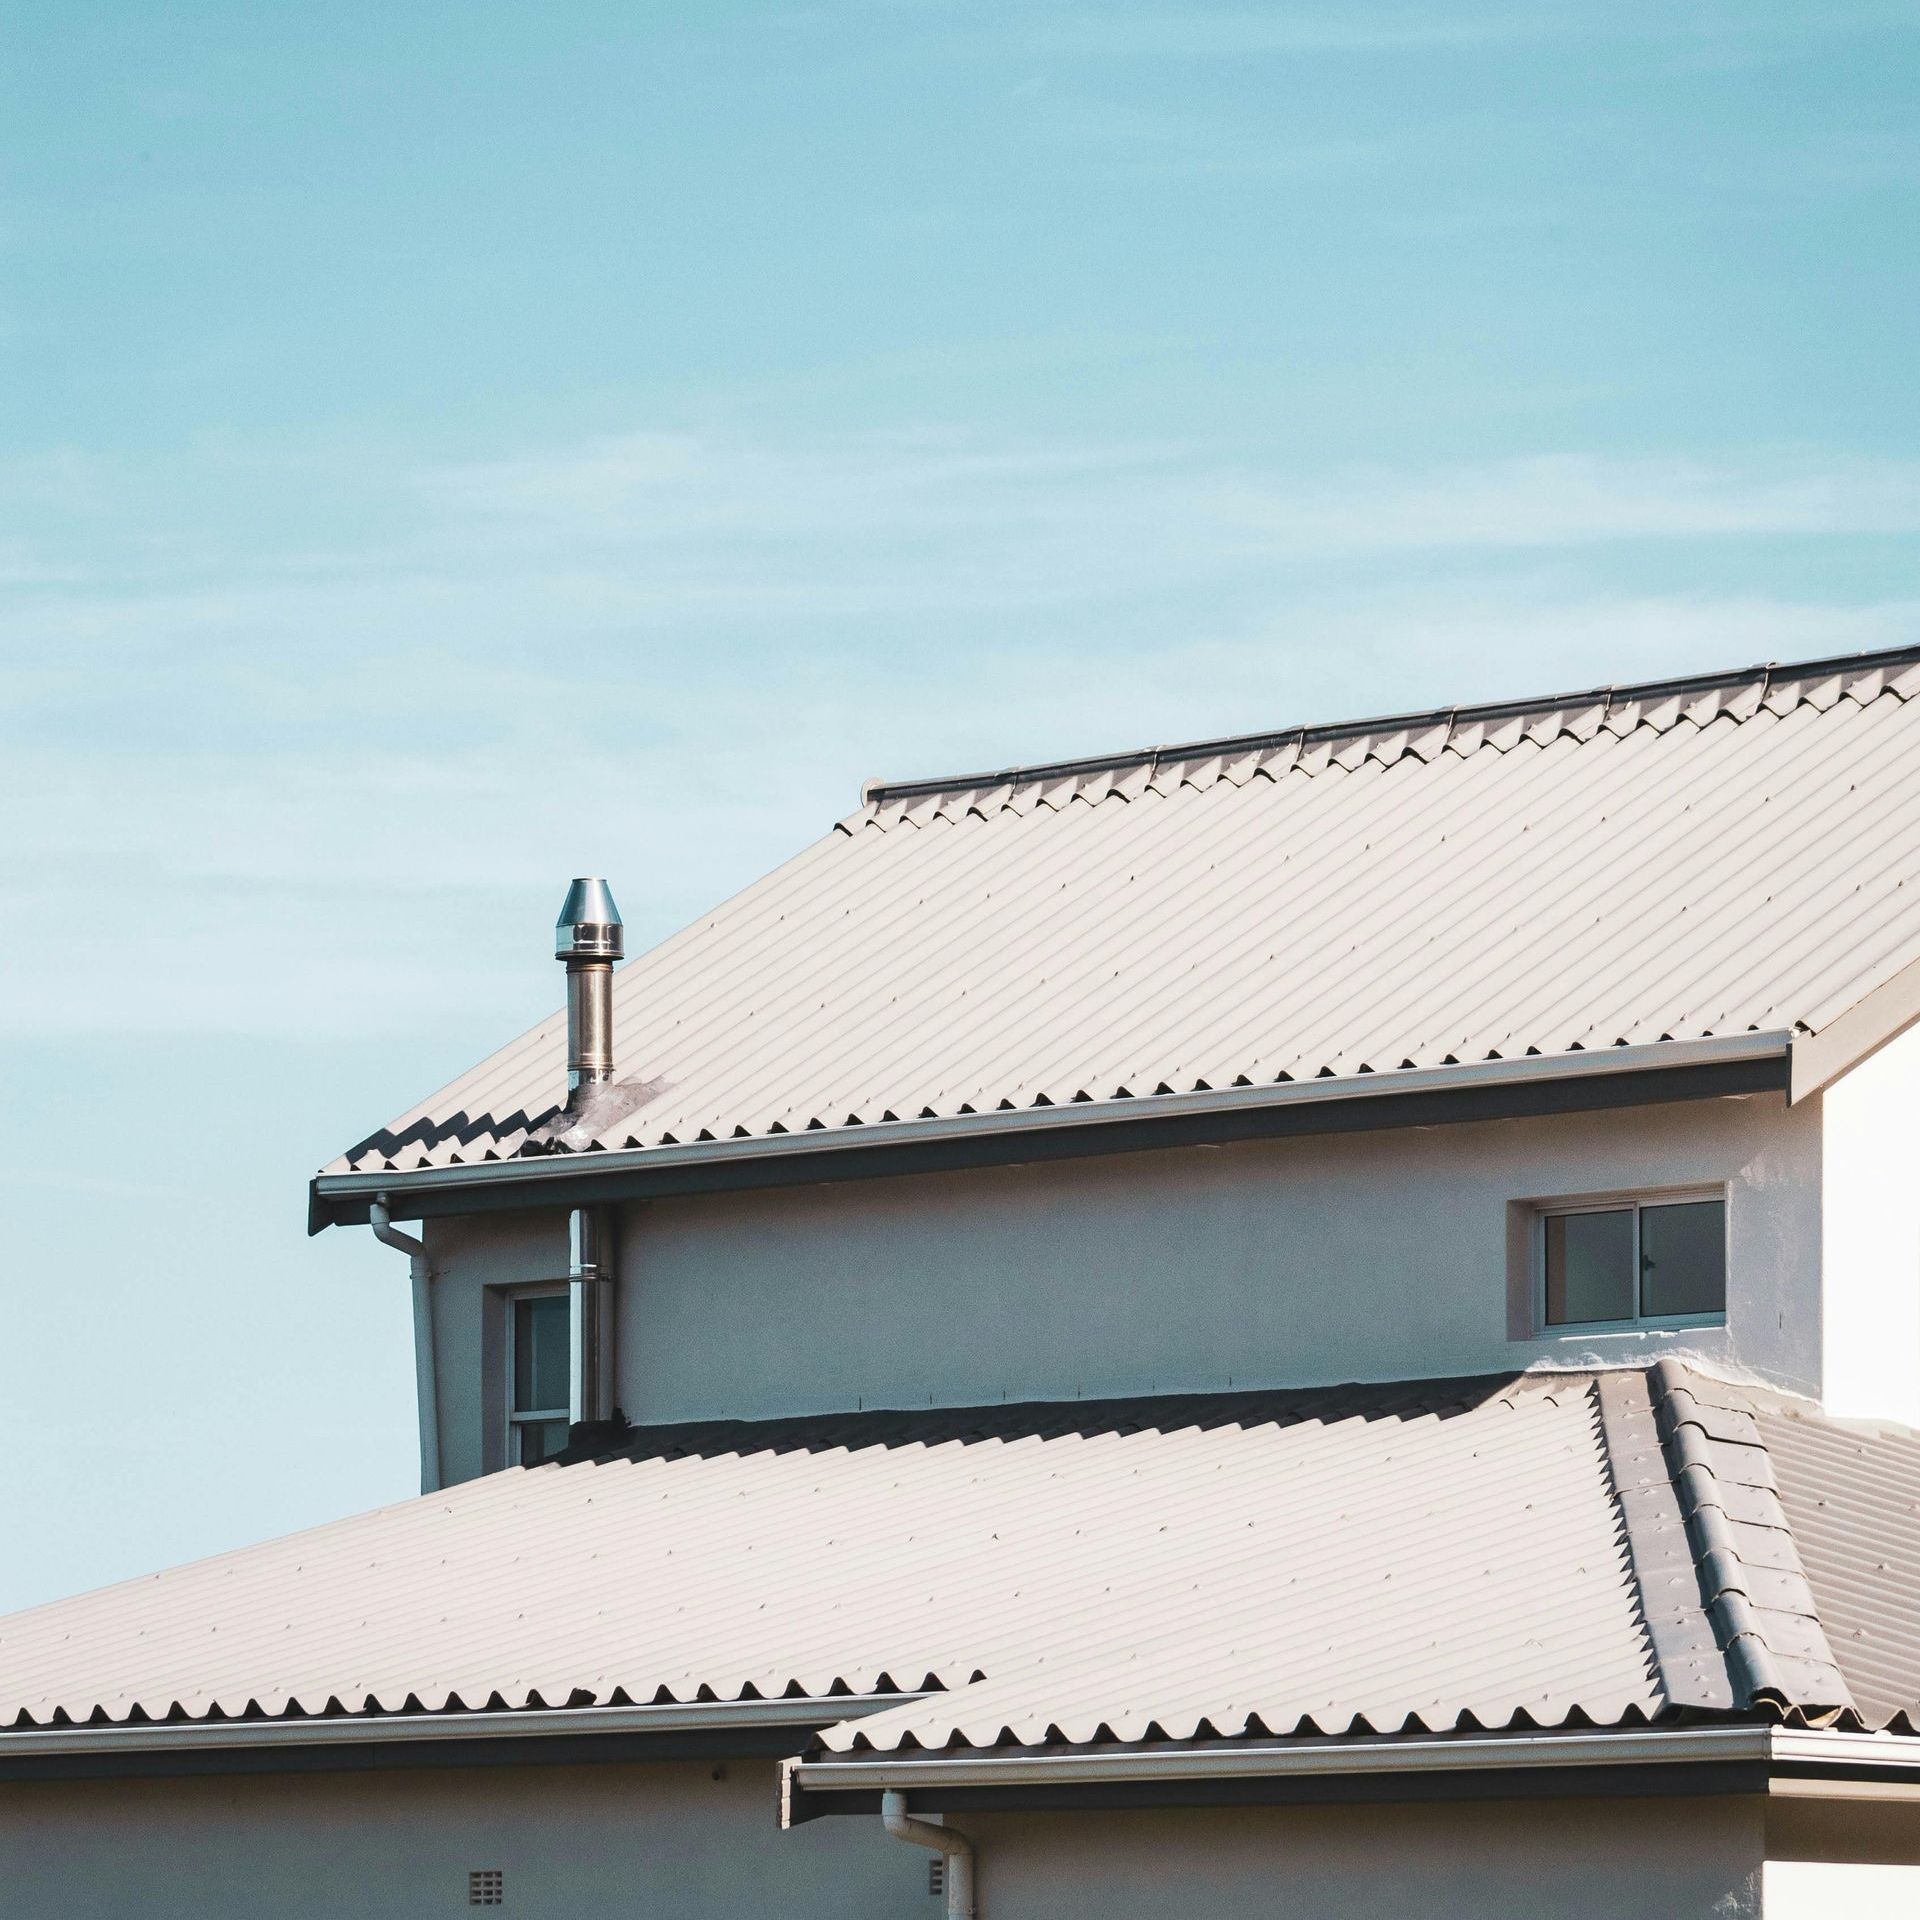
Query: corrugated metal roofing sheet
pixel 1738 855
pixel 1361 1576
pixel 1545 1550
pixel 1852 1496
pixel 1391 1555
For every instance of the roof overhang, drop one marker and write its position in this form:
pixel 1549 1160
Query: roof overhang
pixel 1666 1070
pixel 1778 1761
pixel 566 1736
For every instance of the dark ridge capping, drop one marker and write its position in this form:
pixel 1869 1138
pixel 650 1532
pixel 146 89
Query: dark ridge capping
pixel 1144 1131
pixel 1685 1646
pixel 879 791
pixel 1802 1687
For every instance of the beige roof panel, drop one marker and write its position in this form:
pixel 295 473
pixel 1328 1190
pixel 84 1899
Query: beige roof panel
pixel 1542 1550
pixel 1387 1555
pixel 1730 856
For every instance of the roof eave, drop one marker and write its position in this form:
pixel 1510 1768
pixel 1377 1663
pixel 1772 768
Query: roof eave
pixel 503 1737
pixel 1692 1759
pixel 1606 1076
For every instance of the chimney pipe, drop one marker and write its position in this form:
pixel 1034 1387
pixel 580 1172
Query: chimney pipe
pixel 589 938
pixel 591 1272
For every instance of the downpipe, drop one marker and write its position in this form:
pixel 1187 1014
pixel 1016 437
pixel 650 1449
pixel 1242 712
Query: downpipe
pixel 425 1375
pixel 955 1847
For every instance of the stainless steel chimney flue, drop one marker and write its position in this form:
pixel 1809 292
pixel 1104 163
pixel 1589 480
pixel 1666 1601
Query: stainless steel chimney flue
pixel 589 938
pixel 592 1272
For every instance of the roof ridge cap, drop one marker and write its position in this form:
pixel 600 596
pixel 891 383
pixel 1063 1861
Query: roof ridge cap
pixel 1688 1443
pixel 1765 675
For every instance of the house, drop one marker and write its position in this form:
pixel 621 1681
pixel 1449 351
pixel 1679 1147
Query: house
pixel 1325 1323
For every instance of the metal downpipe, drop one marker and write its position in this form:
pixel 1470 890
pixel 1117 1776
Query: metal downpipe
pixel 425 1374
pixel 955 1847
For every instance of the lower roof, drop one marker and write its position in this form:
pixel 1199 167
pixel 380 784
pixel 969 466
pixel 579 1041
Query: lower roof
pixel 1547 1550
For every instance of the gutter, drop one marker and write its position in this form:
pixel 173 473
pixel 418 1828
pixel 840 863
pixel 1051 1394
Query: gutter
pixel 1866 1756
pixel 1731 1063
pixel 504 1729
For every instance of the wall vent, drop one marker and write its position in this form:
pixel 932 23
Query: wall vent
pixel 486 1887
pixel 937 1874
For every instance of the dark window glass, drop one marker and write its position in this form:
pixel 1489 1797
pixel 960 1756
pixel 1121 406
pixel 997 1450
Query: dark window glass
pixel 1683 1258
pixel 540 1440
pixel 1589 1267
pixel 541 1361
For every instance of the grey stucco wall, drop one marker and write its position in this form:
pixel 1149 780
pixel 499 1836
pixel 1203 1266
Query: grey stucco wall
pixel 476 1261
pixel 1274 1263
pixel 1669 1859
pixel 669 1840
pixel 575 1843
pixel 1266 1264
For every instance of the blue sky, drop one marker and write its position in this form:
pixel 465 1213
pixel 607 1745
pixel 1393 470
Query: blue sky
pixel 447 448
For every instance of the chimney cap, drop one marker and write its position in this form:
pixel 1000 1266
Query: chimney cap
pixel 589 927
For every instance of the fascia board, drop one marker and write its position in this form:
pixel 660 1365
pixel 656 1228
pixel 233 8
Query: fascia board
pixel 517 1724
pixel 1259 1759
pixel 800 1151
pixel 1885 1014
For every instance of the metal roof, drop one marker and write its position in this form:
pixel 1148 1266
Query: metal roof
pixel 1530 1551
pixel 1645 866
pixel 1852 1495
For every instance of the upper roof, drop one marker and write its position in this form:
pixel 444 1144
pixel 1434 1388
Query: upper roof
pixel 1545 1550
pixel 1649 864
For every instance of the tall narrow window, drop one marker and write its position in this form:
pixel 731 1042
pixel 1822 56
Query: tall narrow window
pixel 1652 1262
pixel 538 1365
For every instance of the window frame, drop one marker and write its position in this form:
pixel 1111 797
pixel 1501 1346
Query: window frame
pixel 1636 1199
pixel 515 1420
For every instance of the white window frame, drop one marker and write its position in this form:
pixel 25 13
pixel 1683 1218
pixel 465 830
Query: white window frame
pixel 515 1418
pixel 1636 1198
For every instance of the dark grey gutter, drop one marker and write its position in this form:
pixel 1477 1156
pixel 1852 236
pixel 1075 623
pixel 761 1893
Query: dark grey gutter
pixel 362 1743
pixel 1738 1757
pixel 1664 1071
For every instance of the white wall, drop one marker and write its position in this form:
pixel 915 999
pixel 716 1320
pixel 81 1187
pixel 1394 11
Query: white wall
pixel 1840 1890
pixel 1271 1263
pixel 1870 1235
pixel 1841 1859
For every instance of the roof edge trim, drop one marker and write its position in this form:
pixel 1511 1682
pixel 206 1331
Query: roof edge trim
pixel 1872 1021
pixel 811 1711
pixel 874 792
pixel 1241 1760
pixel 340 1196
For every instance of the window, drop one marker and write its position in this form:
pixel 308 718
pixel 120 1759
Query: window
pixel 539 1370
pixel 1654 1262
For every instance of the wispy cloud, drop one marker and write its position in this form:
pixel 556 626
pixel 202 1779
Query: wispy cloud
pixel 672 656
pixel 1219 33
pixel 1118 139
pixel 1212 33
pixel 904 508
